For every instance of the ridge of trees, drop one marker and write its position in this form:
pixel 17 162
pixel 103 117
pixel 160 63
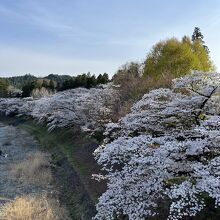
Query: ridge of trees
pixel 85 80
pixel 19 81
pixel 32 85
pixel 50 83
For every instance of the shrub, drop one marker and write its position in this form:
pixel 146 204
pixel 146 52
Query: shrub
pixel 34 207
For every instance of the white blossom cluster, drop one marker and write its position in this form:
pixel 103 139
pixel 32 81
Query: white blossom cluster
pixel 87 108
pixel 16 106
pixel 166 149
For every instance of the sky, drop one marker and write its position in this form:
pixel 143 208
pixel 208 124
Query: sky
pixel 79 36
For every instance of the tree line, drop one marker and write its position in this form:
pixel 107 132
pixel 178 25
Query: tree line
pixel 85 80
pixel 38 85
pixel 33 86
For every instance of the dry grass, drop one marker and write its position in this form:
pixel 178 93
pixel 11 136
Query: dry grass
pixel 133 88
pixel 34 208
pixel 35 169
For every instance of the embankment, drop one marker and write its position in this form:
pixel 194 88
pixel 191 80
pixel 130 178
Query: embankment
pixel 73 165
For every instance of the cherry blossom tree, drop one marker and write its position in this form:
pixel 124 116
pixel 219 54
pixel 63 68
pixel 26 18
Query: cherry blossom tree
pixel 167 148
pixel 89 109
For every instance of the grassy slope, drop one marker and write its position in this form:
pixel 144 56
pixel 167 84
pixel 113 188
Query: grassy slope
pixel 72 154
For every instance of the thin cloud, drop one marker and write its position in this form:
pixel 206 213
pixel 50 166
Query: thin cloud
pixel 96 36
pixel 17 61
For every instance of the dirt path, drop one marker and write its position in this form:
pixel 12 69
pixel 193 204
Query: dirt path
pixel 24 169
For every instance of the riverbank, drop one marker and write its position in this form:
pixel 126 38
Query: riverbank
pixel 71 155
pixel 26 180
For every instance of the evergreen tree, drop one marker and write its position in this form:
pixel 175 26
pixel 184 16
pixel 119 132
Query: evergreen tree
pixel 28 88
pixel 85 81
pixel 91 81
pixel 52 85
pixel 45 84
pixel 102 79
pixel 105 78
pixel 99 79
pixel 198 36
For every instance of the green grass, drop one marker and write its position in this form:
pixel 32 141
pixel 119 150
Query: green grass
pixel 62 139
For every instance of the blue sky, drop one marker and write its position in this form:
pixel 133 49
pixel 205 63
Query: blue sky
pixel 76 36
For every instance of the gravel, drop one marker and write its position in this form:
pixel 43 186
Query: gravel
pixel 16 145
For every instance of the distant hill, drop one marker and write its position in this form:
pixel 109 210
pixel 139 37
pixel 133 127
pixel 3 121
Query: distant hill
pixel 58 78
pixel 20 81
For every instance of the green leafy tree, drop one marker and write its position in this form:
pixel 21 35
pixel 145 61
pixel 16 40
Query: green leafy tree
pixel 204 62
pixel 4 84
pixel 176 58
